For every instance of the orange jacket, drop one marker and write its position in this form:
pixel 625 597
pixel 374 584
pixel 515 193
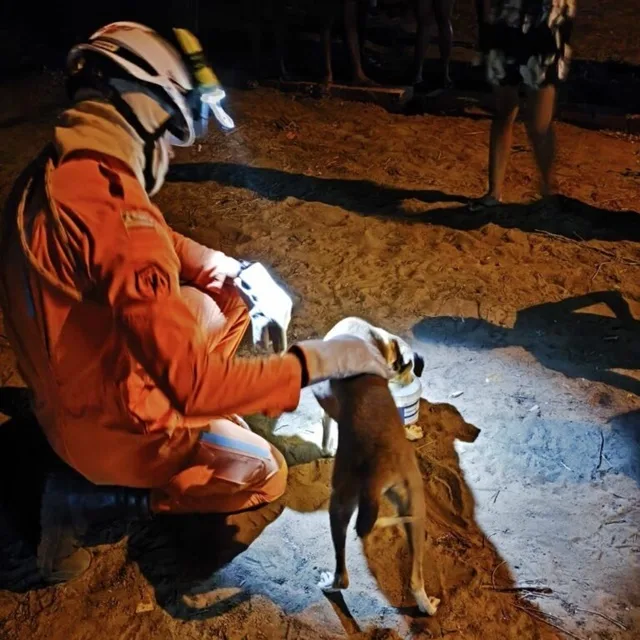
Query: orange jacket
pixel 90 279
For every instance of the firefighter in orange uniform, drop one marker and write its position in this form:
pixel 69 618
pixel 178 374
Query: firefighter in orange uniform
pixel 126 331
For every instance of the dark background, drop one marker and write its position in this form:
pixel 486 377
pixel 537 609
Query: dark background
pixel 605 72
pixel 32 37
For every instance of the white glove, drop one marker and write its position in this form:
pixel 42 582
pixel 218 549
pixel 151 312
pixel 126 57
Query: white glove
pixel 229 267
pixel 269 306
pixel 341 357
pixel 226 269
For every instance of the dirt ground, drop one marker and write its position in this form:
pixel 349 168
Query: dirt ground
pixel 528 318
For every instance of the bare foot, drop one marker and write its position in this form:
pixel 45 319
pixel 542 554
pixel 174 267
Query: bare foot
pixel 330 582
pixel 486 202
pixel 364 81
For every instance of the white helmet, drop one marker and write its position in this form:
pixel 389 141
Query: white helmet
pixel 178 75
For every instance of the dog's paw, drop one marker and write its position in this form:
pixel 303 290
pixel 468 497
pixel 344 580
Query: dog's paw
pixel 413 432
pixel 331 582
pixel 425 603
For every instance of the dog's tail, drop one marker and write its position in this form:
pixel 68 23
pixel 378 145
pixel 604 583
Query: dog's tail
pixel 368 508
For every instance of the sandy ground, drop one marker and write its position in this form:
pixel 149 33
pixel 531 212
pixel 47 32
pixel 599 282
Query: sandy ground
pixel 528 320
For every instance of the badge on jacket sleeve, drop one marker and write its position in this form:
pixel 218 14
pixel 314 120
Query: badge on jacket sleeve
pixel 138 218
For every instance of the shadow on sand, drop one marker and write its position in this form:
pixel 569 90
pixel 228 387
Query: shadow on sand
pixel 564 336
pixel 567 217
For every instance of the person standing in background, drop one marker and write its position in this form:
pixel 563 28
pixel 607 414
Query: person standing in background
pixel 441 11
pixel 526 44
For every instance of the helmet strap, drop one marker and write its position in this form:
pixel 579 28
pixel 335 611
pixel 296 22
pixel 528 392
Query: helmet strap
pixel 149 139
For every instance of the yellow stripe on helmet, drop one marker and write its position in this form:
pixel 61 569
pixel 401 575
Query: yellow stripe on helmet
pixel 192 49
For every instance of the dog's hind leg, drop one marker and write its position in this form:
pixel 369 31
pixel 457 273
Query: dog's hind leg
pixel 343 504
pixel 413 505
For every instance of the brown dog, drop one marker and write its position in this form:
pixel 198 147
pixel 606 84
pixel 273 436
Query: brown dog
pixel 402 360
pixel 373 459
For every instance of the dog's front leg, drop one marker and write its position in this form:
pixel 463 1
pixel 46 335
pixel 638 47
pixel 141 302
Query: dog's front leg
pixel 329 436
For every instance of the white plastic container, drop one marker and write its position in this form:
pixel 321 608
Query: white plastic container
pixel 407 399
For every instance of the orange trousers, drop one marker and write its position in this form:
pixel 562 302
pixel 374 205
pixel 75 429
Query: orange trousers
pixel 231 468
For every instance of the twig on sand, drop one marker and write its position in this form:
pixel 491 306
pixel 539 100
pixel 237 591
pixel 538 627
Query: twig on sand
pixel 602 615
pixel 495 496
pixel 538 590
pixel 236 205
pixel 573 608
pixel 493 575
pixel 542 613
pixel 600 454
pixel 541 595
pixel 604 252
pixel 597 271
pixel 541 619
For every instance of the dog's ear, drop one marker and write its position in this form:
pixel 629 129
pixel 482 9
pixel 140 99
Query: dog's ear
pixel 418 364
pixel 395 355
pixel 384 346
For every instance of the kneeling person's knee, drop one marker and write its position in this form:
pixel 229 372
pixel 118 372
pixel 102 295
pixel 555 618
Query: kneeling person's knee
pixel 276 483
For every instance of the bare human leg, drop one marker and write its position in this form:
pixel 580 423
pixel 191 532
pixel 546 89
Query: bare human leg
pixel 443 10
pixel 355 40
pixel 326 50
pixel 422 9
pixel 507 104
pixel 541 109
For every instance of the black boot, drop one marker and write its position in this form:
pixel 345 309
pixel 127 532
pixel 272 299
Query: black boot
pixel 70 505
